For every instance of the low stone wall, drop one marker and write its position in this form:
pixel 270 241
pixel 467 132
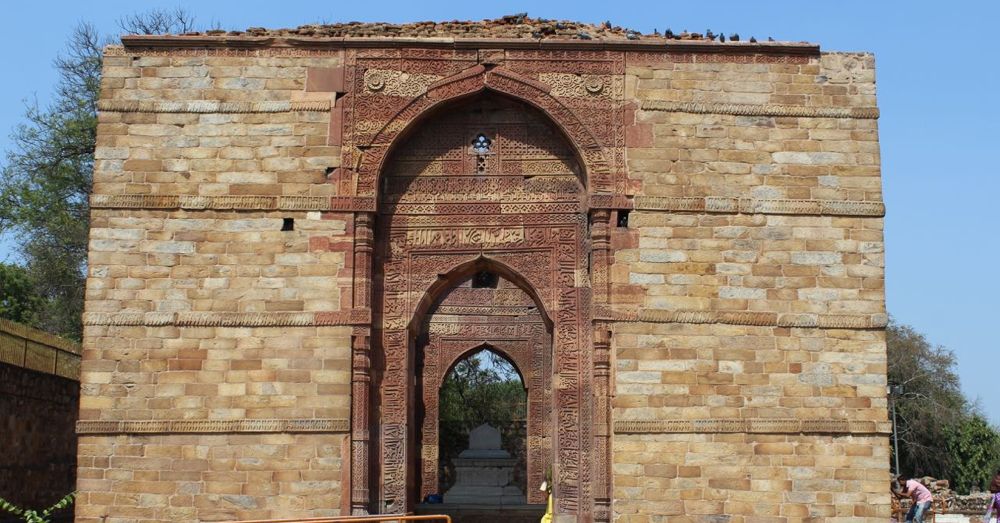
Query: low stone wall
pixel 959 509
pixel 39 398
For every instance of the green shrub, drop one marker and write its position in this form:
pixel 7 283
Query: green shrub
pixel 33 516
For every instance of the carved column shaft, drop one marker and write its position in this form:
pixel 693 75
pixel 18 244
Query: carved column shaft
pixel 602 422
pixel 363 245
pixel 600 238
pixel 361 369
pixel 600 271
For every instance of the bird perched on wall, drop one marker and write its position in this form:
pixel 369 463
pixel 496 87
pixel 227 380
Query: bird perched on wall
pixel 584 36
pixel 722 37
pixel 668 34
pixel 753 40
pixel 735 37
pixel 709 34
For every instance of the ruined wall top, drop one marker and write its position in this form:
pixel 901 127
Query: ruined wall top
pixel 518 28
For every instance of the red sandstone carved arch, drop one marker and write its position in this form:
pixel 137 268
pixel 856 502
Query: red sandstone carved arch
pixel 447 279
pixel 597 170
pixel 516 360
pixel 545 264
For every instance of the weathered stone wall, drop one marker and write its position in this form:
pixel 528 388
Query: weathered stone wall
pixel 736 225
pixel 752 382
pixel 217 369
pixel 39 396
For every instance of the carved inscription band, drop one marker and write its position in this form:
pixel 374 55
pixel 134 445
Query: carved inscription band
pixel 230 319
pixel 710 204
pixel 210 106
pixel 242 203
pixel 752 426
pixel 715 204
pixel 760 319
pixel 861 113
pixel 363 317
pixel 236 426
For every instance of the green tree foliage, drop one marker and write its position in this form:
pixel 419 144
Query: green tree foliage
pixel 47 176
pixel 34 516
pixel 974 447
pixel 482 388
pixel 46 182
pixel 940 432
pixel 18 301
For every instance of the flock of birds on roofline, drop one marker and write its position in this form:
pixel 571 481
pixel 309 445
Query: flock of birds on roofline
pixel 670 35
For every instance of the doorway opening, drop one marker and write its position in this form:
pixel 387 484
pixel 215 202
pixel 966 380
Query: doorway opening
pixel 483 396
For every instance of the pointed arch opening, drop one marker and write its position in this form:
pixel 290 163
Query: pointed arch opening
pixel 483 394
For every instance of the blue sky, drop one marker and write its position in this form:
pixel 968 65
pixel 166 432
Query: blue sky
pixel 937 77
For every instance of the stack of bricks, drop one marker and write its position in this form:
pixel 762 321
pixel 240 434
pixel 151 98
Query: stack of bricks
pixel 737 187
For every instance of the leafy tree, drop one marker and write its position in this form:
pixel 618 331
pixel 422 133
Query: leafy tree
pixel 48 174
pixel 974 447
pixel 18 301
pixel 482 388
pixel 940 432
pixel 46 181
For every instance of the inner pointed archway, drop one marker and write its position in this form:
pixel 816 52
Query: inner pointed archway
pixel 483 391
pixel 483 328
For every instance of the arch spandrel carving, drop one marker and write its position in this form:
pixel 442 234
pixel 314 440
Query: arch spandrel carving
pixel 478 79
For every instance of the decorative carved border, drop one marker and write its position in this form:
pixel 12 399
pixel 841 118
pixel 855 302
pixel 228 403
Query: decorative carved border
pixel 210 106
pixel 715 204
pixel 32 349
pixel 753 426
pixel 860 113
pixel 236 426
pixel 238 203
pixel 230 319
pixel 711 204
pixel 759 319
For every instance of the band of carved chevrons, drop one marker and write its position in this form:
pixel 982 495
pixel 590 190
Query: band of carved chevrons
pixel 861 113
pixel 752 426
pixel 242 203
pixel 710 204
pixel 714 204
pixel 230 319
pixel 210 106
pixel 752 318
pixel 236 426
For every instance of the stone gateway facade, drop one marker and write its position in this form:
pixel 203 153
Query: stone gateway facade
pixel 296 233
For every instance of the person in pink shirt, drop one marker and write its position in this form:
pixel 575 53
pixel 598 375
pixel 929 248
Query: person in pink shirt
pixel 916 491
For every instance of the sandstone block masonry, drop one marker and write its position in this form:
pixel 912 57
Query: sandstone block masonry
pixel 39 403
pixel 696 228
